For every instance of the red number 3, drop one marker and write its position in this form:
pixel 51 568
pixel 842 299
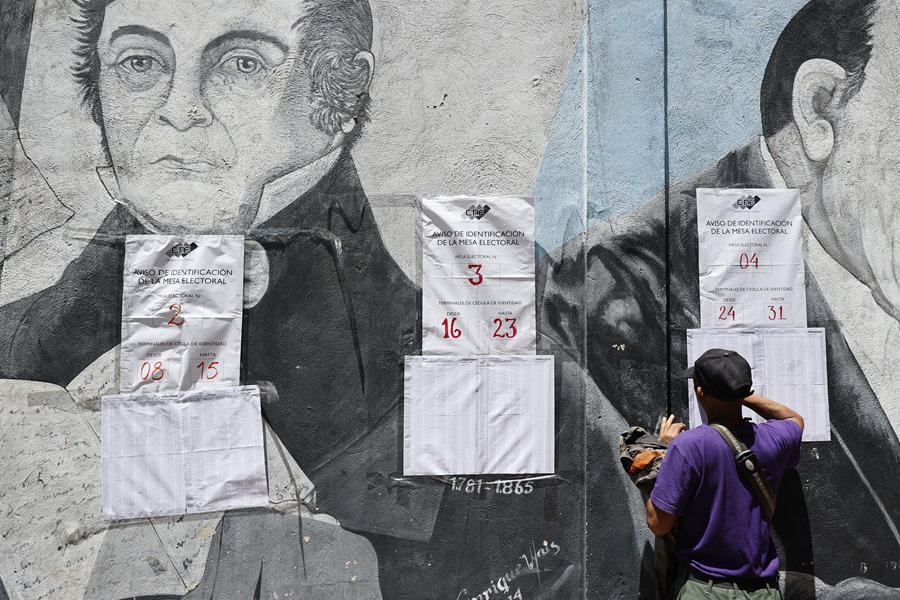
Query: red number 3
pixel 477 269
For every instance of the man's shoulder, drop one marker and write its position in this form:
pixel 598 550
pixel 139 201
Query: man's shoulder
pixel 786 430
pixel 694 439
pixel 627 254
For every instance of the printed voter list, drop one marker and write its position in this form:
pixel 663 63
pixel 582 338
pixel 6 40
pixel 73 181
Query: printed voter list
pixel 750 258
pixel 478 276
pixel 181 312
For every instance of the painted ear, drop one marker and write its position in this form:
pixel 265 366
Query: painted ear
pixel 819 87
pixel 365 60
pixel 364 67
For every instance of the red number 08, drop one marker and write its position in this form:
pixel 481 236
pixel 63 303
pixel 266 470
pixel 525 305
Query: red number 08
pixel 155 372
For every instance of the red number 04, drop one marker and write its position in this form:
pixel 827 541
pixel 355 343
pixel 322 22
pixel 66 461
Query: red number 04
pixel 749 259
pixel 477 269
pixel 450 329
pixel 511 331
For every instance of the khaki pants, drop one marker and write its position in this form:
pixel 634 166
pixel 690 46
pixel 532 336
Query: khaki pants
pixel 688 588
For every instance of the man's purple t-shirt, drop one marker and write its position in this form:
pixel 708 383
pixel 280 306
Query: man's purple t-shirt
pixel 723 530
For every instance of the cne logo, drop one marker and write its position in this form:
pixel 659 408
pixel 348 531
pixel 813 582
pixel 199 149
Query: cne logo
pixel 476 212
pixel 181 250
pixel 747 202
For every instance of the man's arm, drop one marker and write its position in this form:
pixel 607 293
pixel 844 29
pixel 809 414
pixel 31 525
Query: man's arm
pixel 659 521
pixel 56 333
pixel 769 410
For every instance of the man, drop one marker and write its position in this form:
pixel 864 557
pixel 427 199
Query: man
pixel 238 117
pixel 621 299
pixel 723 536
pixel 217 117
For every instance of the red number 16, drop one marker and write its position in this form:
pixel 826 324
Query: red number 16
pixel 450 329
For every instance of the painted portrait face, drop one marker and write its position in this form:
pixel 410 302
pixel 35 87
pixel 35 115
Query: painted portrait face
pixel 204 102
pixel 861 179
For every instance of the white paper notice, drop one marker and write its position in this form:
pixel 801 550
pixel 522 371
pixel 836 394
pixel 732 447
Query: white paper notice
pixel 182 452
pixel 751 258
pixel 181 312
pixel 788 367
pixel 478 276
pixel 478 415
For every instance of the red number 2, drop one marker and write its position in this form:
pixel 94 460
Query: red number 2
pixel 180 320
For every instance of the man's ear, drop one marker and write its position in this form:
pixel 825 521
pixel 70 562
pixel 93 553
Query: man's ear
pixel 818 93
pixel 366 60
pixel 364 63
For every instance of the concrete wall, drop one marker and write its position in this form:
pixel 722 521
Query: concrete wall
pixel 609 114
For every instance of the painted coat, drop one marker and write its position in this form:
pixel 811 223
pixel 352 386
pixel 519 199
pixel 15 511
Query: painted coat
pixel 330 333
pixel 608 298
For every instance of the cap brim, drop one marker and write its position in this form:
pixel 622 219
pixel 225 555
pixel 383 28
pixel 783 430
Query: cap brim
pixel 688 373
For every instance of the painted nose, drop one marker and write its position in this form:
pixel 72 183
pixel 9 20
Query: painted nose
pixel 184 107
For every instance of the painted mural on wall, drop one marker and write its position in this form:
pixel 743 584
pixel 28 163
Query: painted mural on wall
pixel 242 117
pixel 621 298
pixel 167 107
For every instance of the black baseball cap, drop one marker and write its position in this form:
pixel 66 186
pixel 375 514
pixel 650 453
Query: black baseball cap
pixel 723 374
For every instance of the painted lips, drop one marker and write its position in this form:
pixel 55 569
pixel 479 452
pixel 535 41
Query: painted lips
pixel 184 165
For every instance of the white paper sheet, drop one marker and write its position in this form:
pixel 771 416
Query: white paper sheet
pixel 478 276
pixel 181 312
pixel 789 366
pixel 182 452
pixel 478 415
pixel 750 258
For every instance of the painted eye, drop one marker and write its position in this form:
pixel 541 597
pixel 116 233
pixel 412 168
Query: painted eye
pixel 138 64
pixel 141 72
pixel 247 65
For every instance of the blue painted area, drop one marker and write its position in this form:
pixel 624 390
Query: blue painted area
pixel 559 191
pixel 718 52
pixel 621 80
pixel 626 144
pixel 717 55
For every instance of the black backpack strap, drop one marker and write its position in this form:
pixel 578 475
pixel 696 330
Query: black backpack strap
pixel 748 467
